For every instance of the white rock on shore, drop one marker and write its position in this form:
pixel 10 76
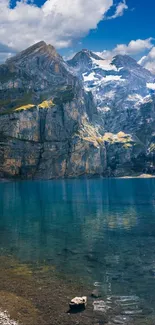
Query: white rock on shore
pixel 5 319
pixel 78 302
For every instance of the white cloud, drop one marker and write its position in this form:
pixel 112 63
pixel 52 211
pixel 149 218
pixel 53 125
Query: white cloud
pixel 121 7
pixel 57 22
pixel 148 61
pixel 133 48
pixel 151 86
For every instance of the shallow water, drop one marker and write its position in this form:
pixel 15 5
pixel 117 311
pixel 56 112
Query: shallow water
pixel 99 231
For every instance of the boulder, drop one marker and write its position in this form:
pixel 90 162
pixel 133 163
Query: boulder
pixel 78 303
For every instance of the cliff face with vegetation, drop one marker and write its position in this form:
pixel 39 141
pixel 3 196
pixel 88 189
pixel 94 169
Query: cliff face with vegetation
pixel 51 127
pixel 44 141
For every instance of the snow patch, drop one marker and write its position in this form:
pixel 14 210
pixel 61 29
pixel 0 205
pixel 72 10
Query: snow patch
pixel 119 69
pixel 110 94
pixel 104 64
pixel 90 77
pixel 151 86
pixel 139 100
pixel 113 78
pixel 135 98
pixel 104 109
pixel 142 60
pixel 147 99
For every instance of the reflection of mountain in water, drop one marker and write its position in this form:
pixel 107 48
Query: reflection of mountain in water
pixel 37 214
pixel 102 230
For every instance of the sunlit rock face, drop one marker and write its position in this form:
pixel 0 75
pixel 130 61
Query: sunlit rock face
pixel 45 142
pixel 87 117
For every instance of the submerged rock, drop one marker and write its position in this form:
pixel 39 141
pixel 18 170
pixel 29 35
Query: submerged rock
pixel 95 294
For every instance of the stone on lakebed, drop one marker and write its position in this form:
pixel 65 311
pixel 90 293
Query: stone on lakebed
pixel 78 303
pixel 95 294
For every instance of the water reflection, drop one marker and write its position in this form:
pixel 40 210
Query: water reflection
pixel 38 215
pixel 102 230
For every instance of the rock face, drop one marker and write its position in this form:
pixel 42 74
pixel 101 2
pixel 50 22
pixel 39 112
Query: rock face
pixel 52 125
pixel 45 142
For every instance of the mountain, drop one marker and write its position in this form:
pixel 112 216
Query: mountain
pixel 32 75
pixel 83 61
pixel 121 78
pixel 42 108
pixel 87 116
pixel 124 94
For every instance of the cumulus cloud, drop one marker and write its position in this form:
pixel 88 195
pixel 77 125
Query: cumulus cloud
pixel 133 48
pixel 120 8
pixel 56 22
pixel 148 61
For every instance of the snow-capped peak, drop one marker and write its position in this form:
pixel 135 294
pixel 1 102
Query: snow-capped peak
pixel 113 80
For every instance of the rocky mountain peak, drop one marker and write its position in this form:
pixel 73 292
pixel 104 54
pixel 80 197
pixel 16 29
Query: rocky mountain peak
pixel 35 73
pixel 36 50
pixel 124 61
pixel 89 54
pixel 83 59
pixel 129 64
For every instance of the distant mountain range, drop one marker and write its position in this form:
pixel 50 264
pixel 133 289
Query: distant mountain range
pixel 84 117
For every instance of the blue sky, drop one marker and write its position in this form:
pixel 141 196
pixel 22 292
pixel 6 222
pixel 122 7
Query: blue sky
pixel 71 25
pixel 137 23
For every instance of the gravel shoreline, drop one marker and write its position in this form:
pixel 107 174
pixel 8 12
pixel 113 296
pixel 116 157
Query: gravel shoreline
pixel 5 319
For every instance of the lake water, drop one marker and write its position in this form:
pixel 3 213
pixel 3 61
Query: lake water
pixel 100 231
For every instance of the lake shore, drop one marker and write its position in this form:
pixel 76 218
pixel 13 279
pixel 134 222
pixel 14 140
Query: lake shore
pixel 87 177
pixel 31 296
pixel 40 295
pixel 138 176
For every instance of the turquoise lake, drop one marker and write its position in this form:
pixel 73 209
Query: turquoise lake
pixel 100 230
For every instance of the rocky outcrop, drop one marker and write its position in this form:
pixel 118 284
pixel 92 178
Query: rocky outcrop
pixel 51 127
pixel 48 142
